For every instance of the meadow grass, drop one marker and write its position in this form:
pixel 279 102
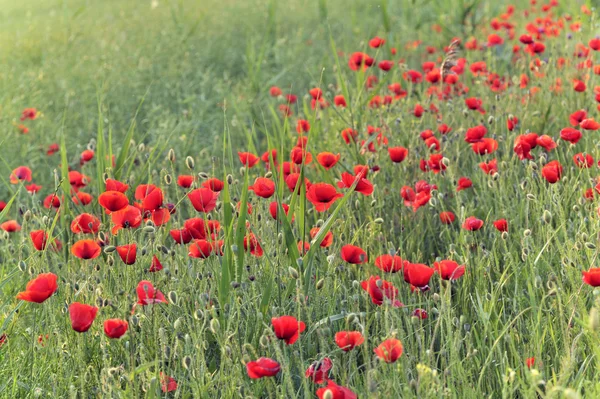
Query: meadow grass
pixel 171 88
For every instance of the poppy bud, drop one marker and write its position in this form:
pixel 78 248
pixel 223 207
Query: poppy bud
pixel 293 272
pixel 533 165
pixel 436 297
pixel 576 208
pixel 433 202
pixel 135 321
pixel 357 204
pixel 373 203
pixel 110 260
pixel 168 179
pixel 268 175
pixel 186 362
pixel 242 171
pixel 504 235
pixel 264 341
pixel 328 394
pixel 172 297
pixel 189 162
pixel 526 233
pixel 203 175
pixel 531 197
pixel 198 315
pixel 495 176
pixel 584 236
pixel 177 324
pixel 320 283
pixel 141 147
pixel 594 319
pixel 149 229
pixel 378 221
pixel 171 155
pixel 547 216
pixel 215 326
pixel 490 120
pixel 590 245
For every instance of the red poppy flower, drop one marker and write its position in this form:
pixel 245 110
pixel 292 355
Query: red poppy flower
pixel 115 185
pixel 262 367
pixel 203 199
pixel 214 184
pixel 127 253
pixel 248 159
pixel 397 154
pixel 348 340
pixel 577 117
pixel 318 371
pixel 379 289
pixel 335 391
pixel 86 156
pixel 420 313
pixel 181 236
pixel 589 124
pixel 353 254
pixel 472 223
pixel 327 240
pixel 475 104
pixel 274 208
pixel 129 217
pixel 155 266
pixel 167 383
pixel 475 134
pixel 33 188
pixel 485 146
pixel 552 171
pixel 148 295
pixel 389 350
pixel 389 263
pixel 449 270
pixel 489 168
pixel 328 160
pixel 583 160
pixel 447 217
pixel 571 135
pixel 464 183
pixel 22 173
pixel 529 362
pixel 10 226
pixel 200 249
pixel 196 228
pixel 113 201
pixel 263 187
pixel 358 60
pixel 274 91
pixel 81 198
pixel 494 40
pixel 363 186
pixel 185 181
pixel 417 274
pixel 52 201
pixel 85 223
pixel 501 225
pixel 40 288
pixel 339 101
pixel 82 316
pixel 287 328
pixel 251 244
pixel 115 328
pixel 86 249
pixel 322 196
pixel 546 142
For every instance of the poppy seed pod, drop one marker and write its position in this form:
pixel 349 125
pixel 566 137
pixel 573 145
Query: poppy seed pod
pixel 189 162
pixel 531 197
pixel 171 155
pixel 168 179
pixel 268 175
pixel 320 284
pixel 293 272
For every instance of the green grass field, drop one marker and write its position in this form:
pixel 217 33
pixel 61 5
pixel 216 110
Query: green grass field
pixel 485 233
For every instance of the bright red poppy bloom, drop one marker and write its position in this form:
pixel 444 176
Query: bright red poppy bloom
pixel 353 254
pixel 287 328
pixel 86 249
pixel 389 350
pixel 113 201
pixel 85 223
pixel 589 124
pixel 592 276
pixel 397 154
pixel 148 295
pixel 464 183
pixel 322 196
pixel 328 160
pixel 501 225
pixel 348 340
pixel 449 269
pixel 318 371
pixel 115 185
pixel 489 168
pixel 263 187
pixel 40 288
pixel 475 134
pixel 252 245
pixel 115 328
pixel 262 367
pixel 571 135
pixel 472 223
pixel 327 240
pixel 417 274
pixel 155 265
pixel 335 391
pixel 447 217
pixel 214 184
pixel 128 253
pixel 552 171
pixel 10 226
pixel 583 160
pixel 128 217
pixel 363 186
pixel 81 198
pixel 167 383
pixel 196 228
pixel 389 263
pixel 339 101
pixel 379 289
pixel 82 316
pixel 475 104
pixel 248 159
pixel 203 199
pixel 200 249
pixel 274 208
pixel 22 173
pixel 185 181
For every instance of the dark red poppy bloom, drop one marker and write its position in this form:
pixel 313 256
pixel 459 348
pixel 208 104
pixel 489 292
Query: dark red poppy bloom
pixel 327 240
pixel 335 391
pixel 115 185
pixel 40 288
pixel 200 249
pixel 82 316
pixel 501 225
pixel 196 228
pixel 397 154
pixel 447 217
pixel 287 328
pixel 185 181
pixel 328 160
pixel 167 383
pixel 10 226
pixel 181 236
pixel 389 263
pixel 85 223
pixel 52 201
pixel 263 187
pixel 86 249
pixel 214 184
pixel 417 274
pixel 389 350
pixel 552 171
pixel 358 60
pixel 464 183
pixel 322 196
pixel 203 199
pixel 262 367
pixel 583 160
pixel 127 253
pixel 78 180
pixel 577 117
pixel 571 135
pixel 472 223
pixel 129 217
pixel 248 159
pixel 148 295
pixel 113 201
pixel 115 328
pixel 376 42
pixel 420 313
pixel 81 198
pixel 379 290
pixel 592 276
pixel 39 239
pixel 475 104
pixel 353 254
pixel 22 173
pixel 449 270
pixel 348 340
pixel 385 65
pixel 318 371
